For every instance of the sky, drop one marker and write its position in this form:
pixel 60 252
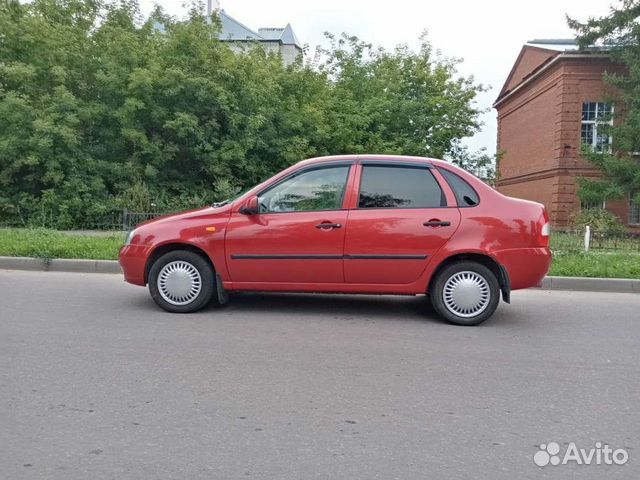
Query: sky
pixel 486 34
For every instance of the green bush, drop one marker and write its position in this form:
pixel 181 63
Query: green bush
pixel 599 219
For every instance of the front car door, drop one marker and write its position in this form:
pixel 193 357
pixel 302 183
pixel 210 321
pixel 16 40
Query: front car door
pixel 400 220
pixel 298 235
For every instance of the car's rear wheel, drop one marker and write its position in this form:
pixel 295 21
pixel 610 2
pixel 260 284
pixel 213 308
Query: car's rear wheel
pixel 181 281
pixel 465 293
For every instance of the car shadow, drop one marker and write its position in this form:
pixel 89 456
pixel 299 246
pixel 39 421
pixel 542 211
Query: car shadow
pixel 344 306
pixel 367 307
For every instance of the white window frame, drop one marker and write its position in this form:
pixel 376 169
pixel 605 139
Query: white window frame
pixel 595 122
pixel 634 211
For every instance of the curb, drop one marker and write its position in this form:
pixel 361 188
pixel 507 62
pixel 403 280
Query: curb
pixel 585 284
pixel 579 284
pixel 60 265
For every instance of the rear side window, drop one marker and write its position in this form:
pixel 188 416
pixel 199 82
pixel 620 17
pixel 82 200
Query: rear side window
pixel 465 194
pixel 384 186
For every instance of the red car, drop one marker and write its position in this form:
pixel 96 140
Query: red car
pixel 350 224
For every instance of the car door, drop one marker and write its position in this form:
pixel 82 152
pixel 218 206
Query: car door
pixel 399 222
pixel 298 234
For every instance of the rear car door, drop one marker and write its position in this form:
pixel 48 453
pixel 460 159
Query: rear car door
pixel 298 234
pixel 400 221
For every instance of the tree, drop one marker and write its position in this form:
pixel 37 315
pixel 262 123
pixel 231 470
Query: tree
pixel 619 32
pixel 480 163
pixel 102 109
pixel 399 101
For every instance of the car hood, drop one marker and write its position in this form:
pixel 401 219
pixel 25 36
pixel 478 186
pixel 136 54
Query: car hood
pixel 189 214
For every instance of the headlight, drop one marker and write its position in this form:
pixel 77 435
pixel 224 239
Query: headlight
pixel 129 237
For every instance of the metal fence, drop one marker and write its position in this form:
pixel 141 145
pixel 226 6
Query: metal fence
pixel 587 239
pixel 124 220
pixel 131 219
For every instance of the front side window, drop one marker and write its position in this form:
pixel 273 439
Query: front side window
pixel 319 189
pixel 399 187
pixel 596 122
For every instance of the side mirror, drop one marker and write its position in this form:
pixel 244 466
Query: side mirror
pixel 251 207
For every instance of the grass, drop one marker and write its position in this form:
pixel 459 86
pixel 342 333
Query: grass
pixel 609 257
pixel 47 244
pixel 596 264
pixel 568 260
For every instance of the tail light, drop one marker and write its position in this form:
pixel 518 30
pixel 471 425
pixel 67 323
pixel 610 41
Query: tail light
pixel 544 234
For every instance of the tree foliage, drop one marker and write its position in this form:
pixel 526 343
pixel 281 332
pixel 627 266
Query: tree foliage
pixel 102 109
pixel 618 32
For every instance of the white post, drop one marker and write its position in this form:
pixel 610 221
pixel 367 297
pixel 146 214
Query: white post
pixel 587 238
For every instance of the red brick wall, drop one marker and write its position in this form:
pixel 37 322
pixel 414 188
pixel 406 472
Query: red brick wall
pixel 540 190
pixel 528 59
pixel 539 135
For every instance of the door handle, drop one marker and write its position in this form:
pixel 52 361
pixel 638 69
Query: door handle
pixel 436 223
pixel 329 225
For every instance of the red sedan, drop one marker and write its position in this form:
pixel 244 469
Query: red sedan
pixel 350 224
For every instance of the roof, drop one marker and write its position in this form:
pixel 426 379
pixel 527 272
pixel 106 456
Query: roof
pixel 536 55
pixel 284 35
pixel 556 44
pixel 233 30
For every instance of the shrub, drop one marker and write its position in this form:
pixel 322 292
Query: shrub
pixel 599 219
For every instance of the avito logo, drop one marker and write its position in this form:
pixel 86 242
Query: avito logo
pixel 601 454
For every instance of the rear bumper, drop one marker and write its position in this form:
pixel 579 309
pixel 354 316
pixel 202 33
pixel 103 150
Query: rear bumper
pixel 526 266
pixel 133 260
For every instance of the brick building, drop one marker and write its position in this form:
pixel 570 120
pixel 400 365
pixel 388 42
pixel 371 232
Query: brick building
pixel 553 101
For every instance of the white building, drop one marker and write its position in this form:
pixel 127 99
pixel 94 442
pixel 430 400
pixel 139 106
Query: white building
pixel 272 39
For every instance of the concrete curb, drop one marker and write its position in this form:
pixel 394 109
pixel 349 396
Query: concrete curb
pixel 584 284
pixel 580 284
pixel 60 265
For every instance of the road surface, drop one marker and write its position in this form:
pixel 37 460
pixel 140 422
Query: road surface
pixel 98 383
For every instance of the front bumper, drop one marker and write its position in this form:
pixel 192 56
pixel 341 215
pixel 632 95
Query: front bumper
pixel 526 266
pixel 133 260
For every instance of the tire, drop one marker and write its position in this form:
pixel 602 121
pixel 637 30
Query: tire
pixel 181 281
pixel 465 293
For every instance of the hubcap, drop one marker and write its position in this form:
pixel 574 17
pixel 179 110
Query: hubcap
pixel 466 294
pixel 179 282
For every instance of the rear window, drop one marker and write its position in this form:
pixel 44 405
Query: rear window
pixel 384 186
pixel 465 194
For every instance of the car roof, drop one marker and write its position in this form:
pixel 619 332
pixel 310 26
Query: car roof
pixel 372 156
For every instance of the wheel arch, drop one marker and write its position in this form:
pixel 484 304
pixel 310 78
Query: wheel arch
pixel 173 246
pixel 491 263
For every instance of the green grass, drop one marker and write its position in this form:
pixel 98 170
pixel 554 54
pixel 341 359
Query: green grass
pixel 609 257
pixel 596 264
pixel 49 244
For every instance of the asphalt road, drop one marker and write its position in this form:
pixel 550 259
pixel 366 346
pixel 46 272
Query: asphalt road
pixel 98 383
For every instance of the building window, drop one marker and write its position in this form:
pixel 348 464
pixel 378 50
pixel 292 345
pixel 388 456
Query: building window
pixel 634 210
pixel 597 119
pixel 591 205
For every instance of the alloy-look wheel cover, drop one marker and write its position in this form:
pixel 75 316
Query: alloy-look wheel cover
pixel 179 283
pixel 466 294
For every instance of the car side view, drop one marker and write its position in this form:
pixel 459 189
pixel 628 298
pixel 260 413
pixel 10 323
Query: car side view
pixel 372 224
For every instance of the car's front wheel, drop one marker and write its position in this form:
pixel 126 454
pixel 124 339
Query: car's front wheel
pixel 465 293
pixel 181 281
